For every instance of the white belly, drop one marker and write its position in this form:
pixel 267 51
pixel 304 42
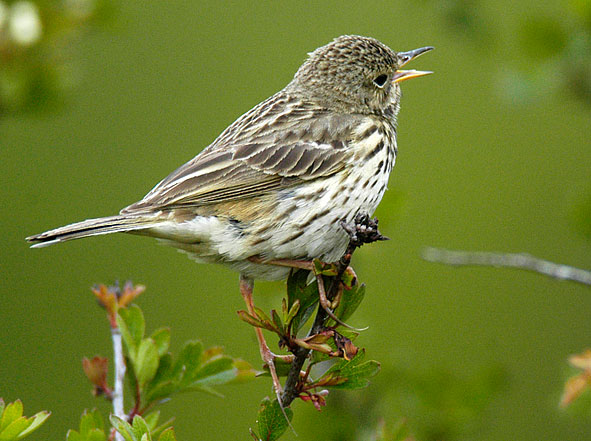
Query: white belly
pixel 306 221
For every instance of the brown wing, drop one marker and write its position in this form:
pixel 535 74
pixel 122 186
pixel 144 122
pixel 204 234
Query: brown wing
pixel 275 145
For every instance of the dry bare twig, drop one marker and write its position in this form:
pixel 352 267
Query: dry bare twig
pixel 508 260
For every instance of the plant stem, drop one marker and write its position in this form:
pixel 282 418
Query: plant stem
pixel 119 361
pixel 364 230
pixel 509 260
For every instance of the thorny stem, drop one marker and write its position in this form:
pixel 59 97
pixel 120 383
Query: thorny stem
pixel 509 260
pixel 118 409
pixel 364 230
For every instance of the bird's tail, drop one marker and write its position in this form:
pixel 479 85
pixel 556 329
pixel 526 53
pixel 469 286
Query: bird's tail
pixel 93 227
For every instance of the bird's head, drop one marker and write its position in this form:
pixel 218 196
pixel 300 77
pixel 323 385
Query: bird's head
pixel 356 74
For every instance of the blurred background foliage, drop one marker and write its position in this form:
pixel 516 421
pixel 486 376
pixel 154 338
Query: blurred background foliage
pixel 99 99
pixel 37 40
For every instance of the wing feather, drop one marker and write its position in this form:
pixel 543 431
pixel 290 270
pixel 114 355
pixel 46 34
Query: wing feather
pixel 293 143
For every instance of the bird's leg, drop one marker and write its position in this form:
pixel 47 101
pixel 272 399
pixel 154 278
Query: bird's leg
pixel 246 288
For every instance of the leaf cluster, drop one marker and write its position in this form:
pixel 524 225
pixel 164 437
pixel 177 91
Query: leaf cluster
pixel 332 341
pixel 141 430
pixel 14 425
pixel 155 375
pixel 92 428
pixel 36 66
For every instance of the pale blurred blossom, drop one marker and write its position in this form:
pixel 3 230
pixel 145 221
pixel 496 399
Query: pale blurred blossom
pixel 25 24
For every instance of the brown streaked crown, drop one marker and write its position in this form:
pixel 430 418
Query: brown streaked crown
pixel 351 73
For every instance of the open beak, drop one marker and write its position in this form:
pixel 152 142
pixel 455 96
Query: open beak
pixel 405 57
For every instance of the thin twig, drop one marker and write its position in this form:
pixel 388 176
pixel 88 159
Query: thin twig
pixel 364 230
pixel 509 260
pixel 290 391
pixel 119 361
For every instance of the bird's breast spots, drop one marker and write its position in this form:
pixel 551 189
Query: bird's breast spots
pixel 317 215
pixel 379 168
pixel 370 130
pixel 291 238
pixel 375 150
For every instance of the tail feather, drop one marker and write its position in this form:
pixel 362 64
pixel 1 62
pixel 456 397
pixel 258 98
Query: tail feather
pixel 92 227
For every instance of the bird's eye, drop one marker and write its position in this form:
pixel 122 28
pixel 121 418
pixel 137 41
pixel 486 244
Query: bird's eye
pixel 380 80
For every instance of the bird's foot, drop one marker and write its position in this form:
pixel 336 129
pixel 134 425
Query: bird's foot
pixel 362 230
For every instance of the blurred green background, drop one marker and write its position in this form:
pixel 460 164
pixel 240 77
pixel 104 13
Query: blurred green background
pixel 494 154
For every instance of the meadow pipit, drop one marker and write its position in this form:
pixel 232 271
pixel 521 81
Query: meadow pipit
pixel 273 188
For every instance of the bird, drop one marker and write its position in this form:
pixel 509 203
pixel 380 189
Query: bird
pixel 272 190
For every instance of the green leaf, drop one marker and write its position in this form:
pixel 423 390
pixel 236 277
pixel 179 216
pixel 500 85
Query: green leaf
pixel 130 378
pixel 216 372
pixel 123 427
pixel 272 422
pixel 352 374
pixel 244 371
pixel 350 301
pixel 91 428
pixel 33 423
pixel 162 384
pixel 72 435
pixel 164 371
pixel 324 269
pixel 161 338
pixel 307 294
pixel 96 435
pixel 189 358
pixel 251 320
pixel 98 419
pixel 211 353
pixel 164 426
pixel 264 318
pixel 12 431
pixel 140 429
pixel 146 361
pixel 167 435
pixel 277 321
pixel 152 419
pixel 188 362
pixel 132 325
pixel 87 423
pixel 161 391
pixel 11 412
pixel 293 310
pixel 21 426
pixel 196 369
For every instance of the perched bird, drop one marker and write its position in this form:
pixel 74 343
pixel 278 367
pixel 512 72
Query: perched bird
pixel 272 190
